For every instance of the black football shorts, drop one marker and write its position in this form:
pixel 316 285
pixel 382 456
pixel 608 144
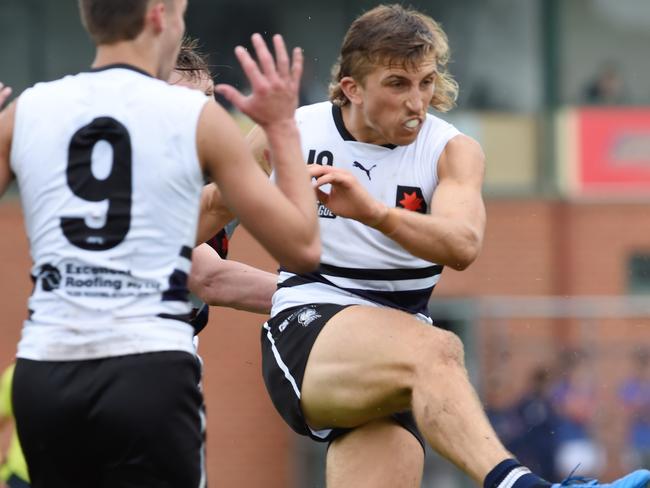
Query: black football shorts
pixel 118 422
pixel 287 339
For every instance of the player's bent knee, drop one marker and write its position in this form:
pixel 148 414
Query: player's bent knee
pixel 445 349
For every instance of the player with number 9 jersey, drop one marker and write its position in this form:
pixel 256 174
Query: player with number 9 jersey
pixel 114 164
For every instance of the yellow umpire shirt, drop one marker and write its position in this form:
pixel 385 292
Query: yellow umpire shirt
pixel 14 464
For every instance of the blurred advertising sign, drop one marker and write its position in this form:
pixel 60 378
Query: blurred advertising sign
pixel 606 151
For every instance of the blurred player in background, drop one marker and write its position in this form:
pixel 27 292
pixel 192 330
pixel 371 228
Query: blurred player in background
pixel 110 167
pixel 13 470
pixel 350 355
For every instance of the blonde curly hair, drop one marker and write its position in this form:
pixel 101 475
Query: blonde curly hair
pixel 394 35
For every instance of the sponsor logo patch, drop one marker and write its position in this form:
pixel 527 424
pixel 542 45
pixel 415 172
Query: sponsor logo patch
pixel 50 277
pixel 325 212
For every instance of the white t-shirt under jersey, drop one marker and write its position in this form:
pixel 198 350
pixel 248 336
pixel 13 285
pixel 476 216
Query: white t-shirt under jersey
pixel 109 177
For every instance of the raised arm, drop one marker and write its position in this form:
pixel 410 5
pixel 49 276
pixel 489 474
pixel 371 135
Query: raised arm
pixel 451 235
pixel 214 214
pixel 283 217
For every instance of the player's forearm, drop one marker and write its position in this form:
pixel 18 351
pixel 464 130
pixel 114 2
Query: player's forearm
pixel 437 239
pixel 296 216
pixel 236 285
pixel 291 175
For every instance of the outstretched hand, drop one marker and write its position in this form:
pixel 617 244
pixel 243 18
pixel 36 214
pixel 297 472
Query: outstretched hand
pixel 347 197
pixel 274 82
pixel 5 92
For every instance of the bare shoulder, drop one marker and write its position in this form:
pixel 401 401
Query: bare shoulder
pixel 213 113
pixel 218 136
pixel 462 157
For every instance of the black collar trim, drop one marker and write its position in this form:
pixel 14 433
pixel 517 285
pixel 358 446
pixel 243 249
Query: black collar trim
pixel 120 65
pixel 337 114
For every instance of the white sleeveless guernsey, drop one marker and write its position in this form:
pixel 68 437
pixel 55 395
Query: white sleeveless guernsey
pixel 360 265
pixel 109 178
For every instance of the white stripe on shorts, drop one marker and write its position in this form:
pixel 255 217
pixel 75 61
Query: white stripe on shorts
pixel 287 374
pixel 278 359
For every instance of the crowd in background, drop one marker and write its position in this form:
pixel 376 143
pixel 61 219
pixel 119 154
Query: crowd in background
pixel 554 426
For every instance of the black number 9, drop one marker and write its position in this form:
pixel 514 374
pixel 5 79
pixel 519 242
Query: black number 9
pixel 116 187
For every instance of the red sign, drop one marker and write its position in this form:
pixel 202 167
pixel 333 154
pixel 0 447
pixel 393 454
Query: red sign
pixel 614 150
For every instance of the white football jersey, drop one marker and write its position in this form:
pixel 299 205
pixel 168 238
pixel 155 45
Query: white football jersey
pixel 360 265
pixel 109 177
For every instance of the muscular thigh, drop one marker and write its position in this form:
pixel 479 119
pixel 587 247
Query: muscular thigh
pixel 362 366
pixel 380 454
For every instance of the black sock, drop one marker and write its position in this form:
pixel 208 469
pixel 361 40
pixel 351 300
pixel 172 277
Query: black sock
pixel 511 474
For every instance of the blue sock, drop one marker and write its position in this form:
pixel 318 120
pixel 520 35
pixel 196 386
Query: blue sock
pixel 511 474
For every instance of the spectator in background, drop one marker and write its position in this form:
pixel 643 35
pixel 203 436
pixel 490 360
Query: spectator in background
pixel 607 88
pixel 536 445
pixel 574 399
pixel 13 469
pixel 635 396
pixel 498 403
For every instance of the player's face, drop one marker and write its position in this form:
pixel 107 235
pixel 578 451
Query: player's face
pixel 203 84
pixel 175 28
pixel 394 102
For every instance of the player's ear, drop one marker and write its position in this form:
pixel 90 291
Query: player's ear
pixel 351 89
pixel 156 16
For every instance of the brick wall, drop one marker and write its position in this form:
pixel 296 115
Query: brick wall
pixel 532 247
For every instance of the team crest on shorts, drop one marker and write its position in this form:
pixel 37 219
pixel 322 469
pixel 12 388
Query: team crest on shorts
pixel 410 198
pixel 307 315
pixel 283 325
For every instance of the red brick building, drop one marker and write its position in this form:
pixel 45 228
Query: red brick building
pixel 532 248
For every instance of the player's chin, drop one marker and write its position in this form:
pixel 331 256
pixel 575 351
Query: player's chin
pixel 405 136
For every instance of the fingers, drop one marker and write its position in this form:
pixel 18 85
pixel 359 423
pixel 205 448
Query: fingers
pixel 269 66
pixel 281 56
pixel 296 65
pixel 249 66
pixel 327 174
pixel 330 178
pixel 322 196
pixel 317 170
pixel 231 94
pixel 263 55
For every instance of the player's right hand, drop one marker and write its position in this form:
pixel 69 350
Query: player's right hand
pixel 5 92
pixel 275 82
pixel 347 197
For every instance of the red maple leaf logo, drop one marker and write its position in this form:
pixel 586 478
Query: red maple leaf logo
pixel 411 201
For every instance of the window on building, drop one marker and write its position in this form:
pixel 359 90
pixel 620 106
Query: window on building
pixel 639 273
